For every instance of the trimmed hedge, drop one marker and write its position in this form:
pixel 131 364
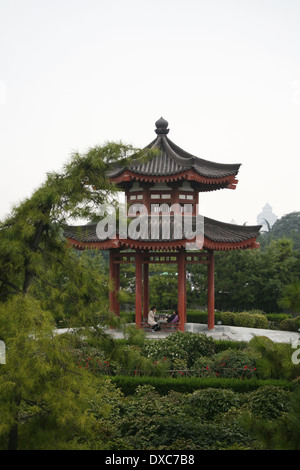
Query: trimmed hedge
pixel 128 385
pixel 290 324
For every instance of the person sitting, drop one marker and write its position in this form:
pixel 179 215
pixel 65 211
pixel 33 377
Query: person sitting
pixel 152 321
pixel 176 318
pixel 173 318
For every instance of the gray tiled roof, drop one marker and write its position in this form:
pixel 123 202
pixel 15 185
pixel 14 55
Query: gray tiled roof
pixel 171 160
pixel 213 230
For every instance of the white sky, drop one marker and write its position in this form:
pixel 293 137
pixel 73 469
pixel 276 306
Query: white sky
pixel 224 73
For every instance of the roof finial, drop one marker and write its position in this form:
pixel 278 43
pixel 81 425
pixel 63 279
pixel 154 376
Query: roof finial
pixel 161 126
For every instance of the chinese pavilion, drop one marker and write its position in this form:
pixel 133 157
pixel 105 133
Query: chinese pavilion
pixel 163 188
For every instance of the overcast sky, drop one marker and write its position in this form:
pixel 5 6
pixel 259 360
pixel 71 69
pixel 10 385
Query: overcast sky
pixel 225 74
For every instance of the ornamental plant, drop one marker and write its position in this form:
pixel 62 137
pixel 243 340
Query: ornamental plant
pixel 227 318
pixel 244 319
pixel 180 346
pixel 227 364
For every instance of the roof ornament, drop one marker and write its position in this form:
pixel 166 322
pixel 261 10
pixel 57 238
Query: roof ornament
pixel 161 126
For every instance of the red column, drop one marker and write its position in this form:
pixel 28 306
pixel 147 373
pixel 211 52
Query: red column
pixel 117 288
pixel 138 288
pixel 112 281
pixel 210 293
pixel 181 289
pixel 146 289
pixel 185 282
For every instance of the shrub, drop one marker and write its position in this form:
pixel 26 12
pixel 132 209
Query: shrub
pixel 196 316
pixel 180 346
pixel 276 318
pixel 297 322
pixel 231 363
pixel 211 402
pixel 163 385
pixel 268 402
pixel 260 321
pixel 227 344
pixel 244 319
pixel 204 367
pixel 256 311
pixel 227 318
pixel 290 324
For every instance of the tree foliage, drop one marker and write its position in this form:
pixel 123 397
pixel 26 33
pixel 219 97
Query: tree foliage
pixel 43 280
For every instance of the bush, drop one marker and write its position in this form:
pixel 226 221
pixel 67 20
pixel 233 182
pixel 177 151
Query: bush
pixel 204 367
pixel 260 321
pixel 227 318
pixel 180 346
pixel 163 386
pixel 231 364
pixel 297 322
pixel 196 316
pixel 227 344
pixel 290 324
pixel 276 318
pixel 244 319
pixel 268 402
pixel 211 402
pixel 256 311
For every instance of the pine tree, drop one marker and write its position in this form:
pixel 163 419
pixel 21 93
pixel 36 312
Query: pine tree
pixel 41 279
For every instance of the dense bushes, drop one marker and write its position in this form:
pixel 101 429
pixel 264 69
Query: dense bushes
pixel 268 402
pixel 239 383
pixel 202 419
pixel 164 385
pixel 180 349
pixel 228 363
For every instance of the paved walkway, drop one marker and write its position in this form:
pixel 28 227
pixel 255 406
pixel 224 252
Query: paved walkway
pixel 223 332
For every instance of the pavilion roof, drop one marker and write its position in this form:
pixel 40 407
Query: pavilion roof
pixel 217 236
pixel 173 160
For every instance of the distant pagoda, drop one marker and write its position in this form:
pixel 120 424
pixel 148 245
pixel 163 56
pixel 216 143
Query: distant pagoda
pixel 162 188
pixel 267 218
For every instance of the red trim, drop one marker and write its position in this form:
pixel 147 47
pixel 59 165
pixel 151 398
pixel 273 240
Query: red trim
pixel 162 245
pixel 189 175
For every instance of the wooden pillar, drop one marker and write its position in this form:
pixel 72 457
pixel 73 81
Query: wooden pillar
pixel 138 288
pixel 112 281
pixel 185 282
pixel 181 289
pixel 117 288
pixel 145 290
pixel 210 293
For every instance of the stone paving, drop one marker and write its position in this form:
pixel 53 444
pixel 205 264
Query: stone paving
pixel 224 332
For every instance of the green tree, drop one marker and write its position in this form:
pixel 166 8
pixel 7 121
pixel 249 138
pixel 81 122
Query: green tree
pixel 287 227
pixel 42 279
pixel 31 237
pixel 255 278
pixel 46 401
pixel 291 297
